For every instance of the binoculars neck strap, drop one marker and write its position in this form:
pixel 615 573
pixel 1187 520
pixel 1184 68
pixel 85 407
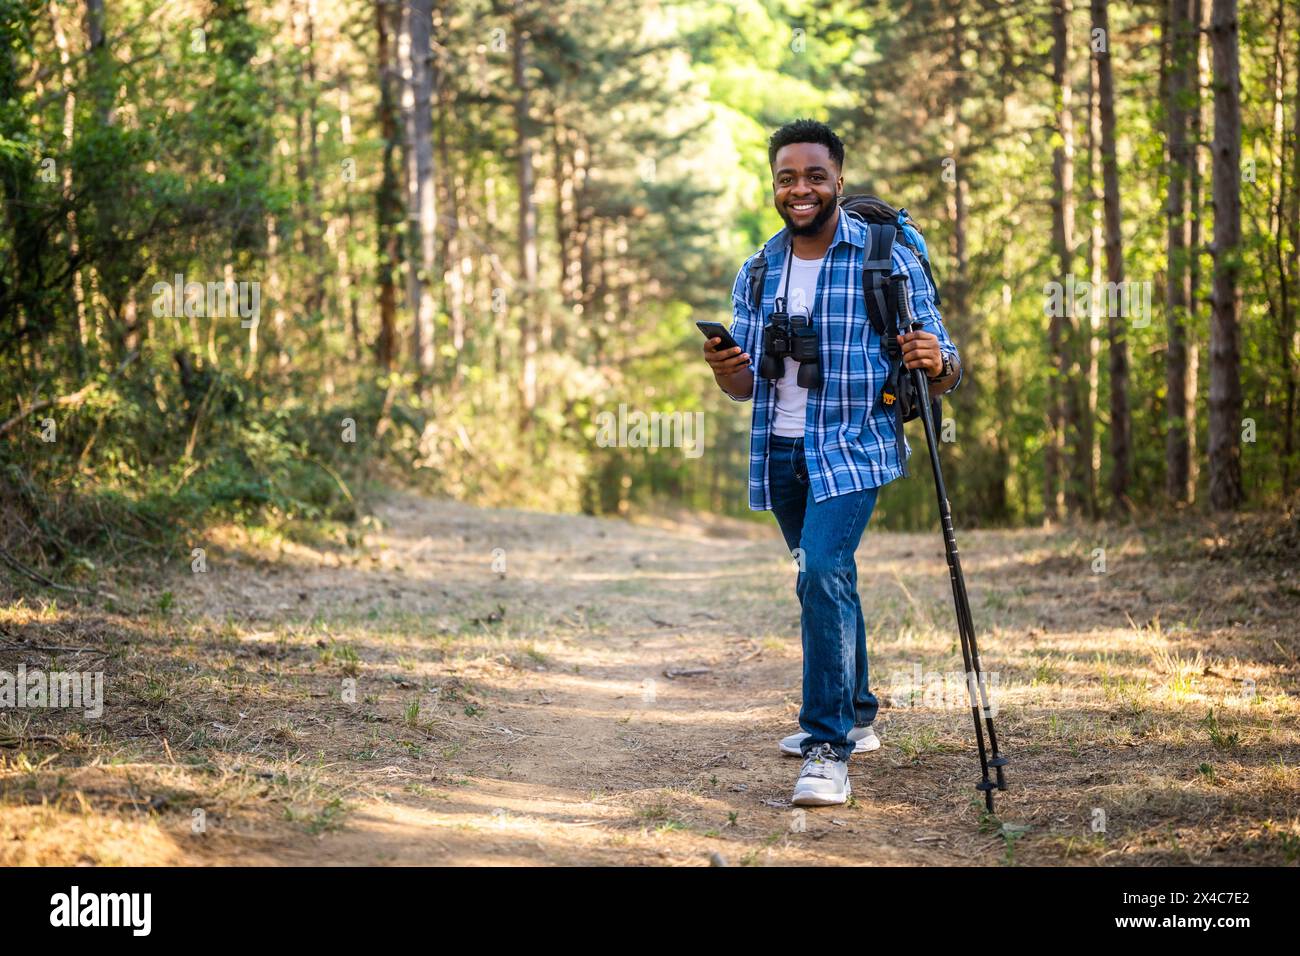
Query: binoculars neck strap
pixel 784 299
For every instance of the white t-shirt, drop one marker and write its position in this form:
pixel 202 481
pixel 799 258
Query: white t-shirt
pixel 791 397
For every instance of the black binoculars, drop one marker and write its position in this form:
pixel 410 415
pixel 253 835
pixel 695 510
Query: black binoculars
pixel 786 335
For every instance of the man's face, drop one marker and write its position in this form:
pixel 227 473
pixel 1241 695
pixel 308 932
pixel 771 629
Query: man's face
pixel 805 185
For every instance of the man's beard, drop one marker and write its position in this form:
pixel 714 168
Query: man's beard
pixel 816 223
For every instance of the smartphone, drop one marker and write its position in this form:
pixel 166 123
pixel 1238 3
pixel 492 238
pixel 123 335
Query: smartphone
pixel 716 330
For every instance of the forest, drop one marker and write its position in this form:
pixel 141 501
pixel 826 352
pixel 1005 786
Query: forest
pixel 257 255
pixel 361 471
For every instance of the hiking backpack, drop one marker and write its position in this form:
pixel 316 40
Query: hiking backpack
pixel 885 225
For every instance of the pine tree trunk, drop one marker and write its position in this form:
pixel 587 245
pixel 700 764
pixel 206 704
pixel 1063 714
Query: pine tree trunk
pixel 956 292
pixel 1182 38
pixel 313 227
pixel 100 81
pixel 347 282
pixel 1116 333
pixel 959 287
pixel 564 225
pixel 1063 496
pixel 449 217
pixel 420 203
pixel 78 339
pixel 1226 491
pixel 527 221
pixel 388 200
pixel 1293 228
pixel 583 214
pixel 1088 431
pixel 1201 17
pixel 1280 303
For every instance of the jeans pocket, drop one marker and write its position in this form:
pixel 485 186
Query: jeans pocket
pixel 798 464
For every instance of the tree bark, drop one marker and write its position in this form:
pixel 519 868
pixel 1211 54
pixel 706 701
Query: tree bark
pixel 564 225
pixel 1065 494
pixel 1116 333
pixel 312 225
pixel 101 84
pixel 387 200
pixel 449 204
pixel 527 220
pixel 1226 491
pixel 1200 16
pixel 421 211
pixel 1281 307
pixel 347 283
pixel 1088 430
pixel 959 285
pixel 1281 228
pixel 78 339
pixel 956 310
pixel 1290 340
pixel 1183 37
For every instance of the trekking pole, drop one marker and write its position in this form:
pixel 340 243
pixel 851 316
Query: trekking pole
pixel 965 625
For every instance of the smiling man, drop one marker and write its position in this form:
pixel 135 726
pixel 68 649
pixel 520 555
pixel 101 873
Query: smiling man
pixel 822 445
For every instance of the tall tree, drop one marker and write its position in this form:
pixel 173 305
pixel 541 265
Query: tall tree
pixel 1285 232
pixel 1293 232
pixel 1089 430
pixel 1183 39
pixel 67 77
pixel 1116 333
pixel 448 204
pixel 959 202
pixel 388 208
pixel 23 288
pixel 1226 490
pixel 527 219
pixel 421 212
pixel 1058 338
pixel 1196 181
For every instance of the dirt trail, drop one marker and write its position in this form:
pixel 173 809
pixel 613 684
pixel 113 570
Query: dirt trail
pixel 521 712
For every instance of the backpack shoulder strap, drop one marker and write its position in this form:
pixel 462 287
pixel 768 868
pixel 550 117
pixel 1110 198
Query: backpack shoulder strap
pixel 757 277
pixel 877 264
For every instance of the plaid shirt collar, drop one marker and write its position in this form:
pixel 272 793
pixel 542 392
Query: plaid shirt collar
pixel 850 229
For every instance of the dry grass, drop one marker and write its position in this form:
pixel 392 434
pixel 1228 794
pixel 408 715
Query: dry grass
pixel 1149 711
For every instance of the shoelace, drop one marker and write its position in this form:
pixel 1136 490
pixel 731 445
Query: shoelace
pixel 816 763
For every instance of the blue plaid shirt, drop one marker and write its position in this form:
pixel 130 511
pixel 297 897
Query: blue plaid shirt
pixel 850 437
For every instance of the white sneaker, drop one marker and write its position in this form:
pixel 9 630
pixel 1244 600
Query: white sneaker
pixel 823 781
pixel 863 739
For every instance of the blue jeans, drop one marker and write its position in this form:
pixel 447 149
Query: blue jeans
pixel 836 692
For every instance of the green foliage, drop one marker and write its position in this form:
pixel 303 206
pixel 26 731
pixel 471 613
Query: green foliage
pixel 217 142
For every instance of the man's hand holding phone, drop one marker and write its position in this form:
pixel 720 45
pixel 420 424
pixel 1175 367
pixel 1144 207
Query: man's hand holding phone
pixel 725 362
pixel 730 365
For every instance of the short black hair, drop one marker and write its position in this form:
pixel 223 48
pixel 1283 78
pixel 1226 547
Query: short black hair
pixel 806 131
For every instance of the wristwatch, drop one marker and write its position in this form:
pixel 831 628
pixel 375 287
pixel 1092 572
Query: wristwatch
pixel 945 371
